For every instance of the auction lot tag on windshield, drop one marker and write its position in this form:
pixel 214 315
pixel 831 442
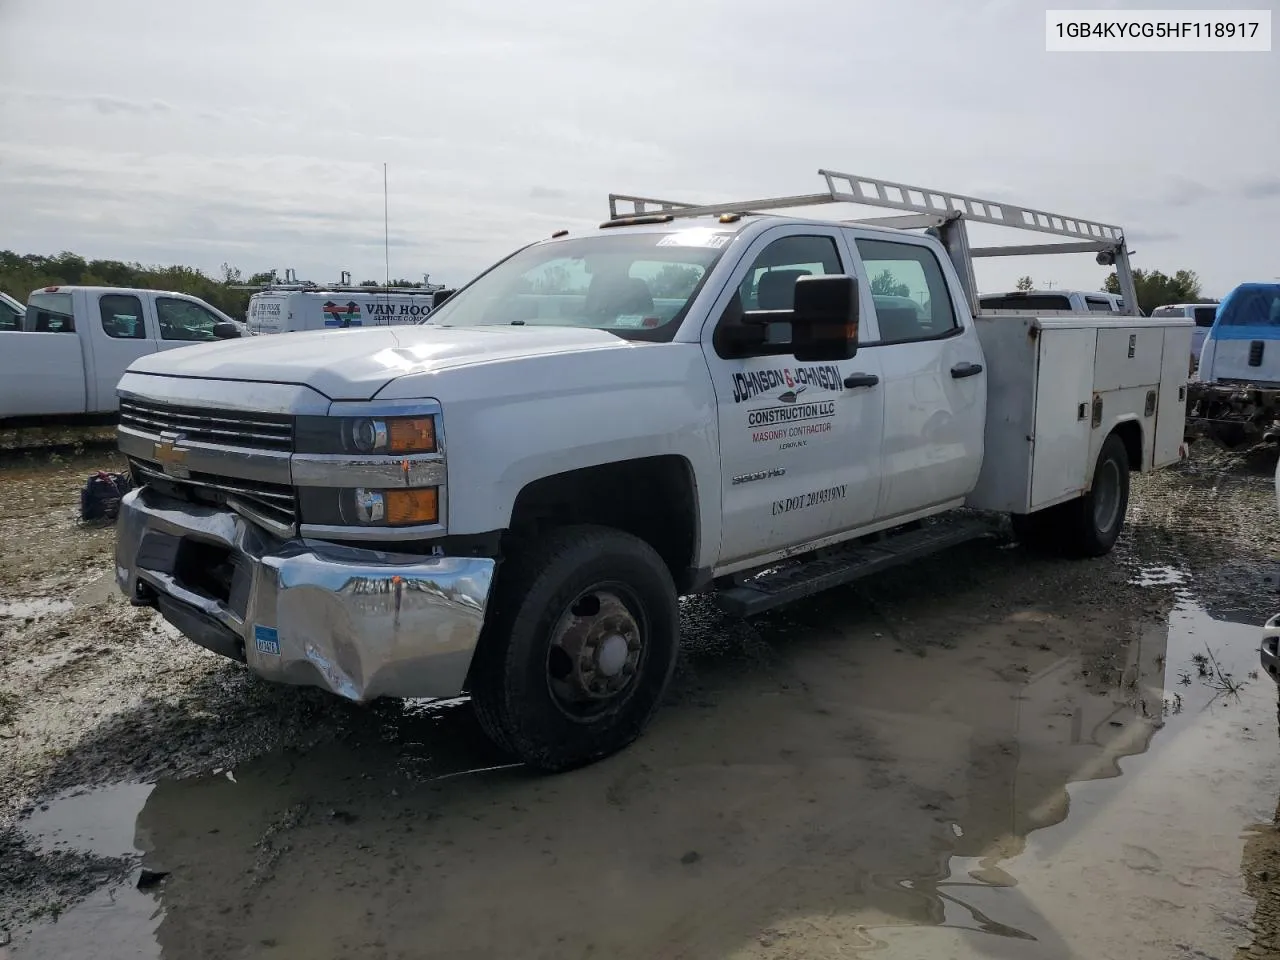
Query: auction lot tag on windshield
pixel 266 640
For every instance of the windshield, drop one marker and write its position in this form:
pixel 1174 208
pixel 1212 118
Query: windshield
pixel 635 285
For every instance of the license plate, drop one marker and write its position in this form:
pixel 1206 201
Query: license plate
pixel 266 640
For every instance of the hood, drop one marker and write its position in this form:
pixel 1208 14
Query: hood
pixel 356 364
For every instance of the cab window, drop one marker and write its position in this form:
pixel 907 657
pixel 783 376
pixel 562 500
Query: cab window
pixel 184 320
pixel 122 316
pixel 909 291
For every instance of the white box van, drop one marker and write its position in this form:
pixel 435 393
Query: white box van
pixel 310 307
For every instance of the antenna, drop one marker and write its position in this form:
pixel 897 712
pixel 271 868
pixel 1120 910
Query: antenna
pixel 386 229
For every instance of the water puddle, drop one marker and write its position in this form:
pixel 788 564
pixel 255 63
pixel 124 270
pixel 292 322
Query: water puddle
pixel 101 822
pixel 993 798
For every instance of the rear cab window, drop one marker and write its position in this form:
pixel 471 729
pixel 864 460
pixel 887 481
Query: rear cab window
pixel 1029 302
pixel 50 313
pixel 1205 315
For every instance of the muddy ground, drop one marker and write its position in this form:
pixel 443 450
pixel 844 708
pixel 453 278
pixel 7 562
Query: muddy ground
pixel 989 754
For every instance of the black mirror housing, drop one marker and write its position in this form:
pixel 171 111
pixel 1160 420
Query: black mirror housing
pixel 824 321
pixel 226 331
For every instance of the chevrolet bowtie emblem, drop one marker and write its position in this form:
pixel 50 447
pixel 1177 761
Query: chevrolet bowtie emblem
pixel 169 455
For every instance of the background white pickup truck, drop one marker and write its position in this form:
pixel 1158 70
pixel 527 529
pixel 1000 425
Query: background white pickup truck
pixel 509 500
pixel 1052 301
pixel 75 343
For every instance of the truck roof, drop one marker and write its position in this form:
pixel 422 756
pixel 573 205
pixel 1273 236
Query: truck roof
pixel 70 287
pixel 943 213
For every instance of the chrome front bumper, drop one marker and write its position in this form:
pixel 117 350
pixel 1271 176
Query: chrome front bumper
pixel 1270 650
pixel 360 623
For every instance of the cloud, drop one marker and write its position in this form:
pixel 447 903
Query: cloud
pixel 1262 188
pixel 1151 236
pixel 546 193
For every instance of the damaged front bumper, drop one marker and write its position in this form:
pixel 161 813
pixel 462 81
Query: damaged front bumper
pixel 1270 650
pixel 360 623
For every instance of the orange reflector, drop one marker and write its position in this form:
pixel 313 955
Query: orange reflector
pixel 412 506
pixel 411 435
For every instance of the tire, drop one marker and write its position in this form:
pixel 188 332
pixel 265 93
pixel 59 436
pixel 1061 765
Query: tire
pixel 547 684
pixel 1091 524
pixel 1039 531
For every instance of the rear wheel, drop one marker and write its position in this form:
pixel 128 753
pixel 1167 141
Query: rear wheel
pixel 578 649
pixel 1089 525
pixel 1092 524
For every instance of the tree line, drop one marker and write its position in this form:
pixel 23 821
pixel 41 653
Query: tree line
pixel 1155 289
pixel 20 274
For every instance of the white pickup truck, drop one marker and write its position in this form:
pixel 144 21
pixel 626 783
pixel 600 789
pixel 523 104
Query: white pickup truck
pixel 64 361
pixel 1042 301
pixel 508 501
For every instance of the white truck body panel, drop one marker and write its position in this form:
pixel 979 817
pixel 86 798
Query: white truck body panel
pixel 293 310
pixel 77 342
pixel 661 353
pixel 1047 373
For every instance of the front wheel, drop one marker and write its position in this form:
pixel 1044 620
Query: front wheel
pixel 578 648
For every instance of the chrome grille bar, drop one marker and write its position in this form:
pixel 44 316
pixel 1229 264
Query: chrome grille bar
pixel 258 431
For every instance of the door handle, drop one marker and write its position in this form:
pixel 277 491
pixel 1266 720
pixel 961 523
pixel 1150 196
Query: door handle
pixel 966 370
pixel 861 380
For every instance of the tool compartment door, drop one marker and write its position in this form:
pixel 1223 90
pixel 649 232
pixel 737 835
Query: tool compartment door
pixel 1061 466
pixel 1128 357
pixel 1171 404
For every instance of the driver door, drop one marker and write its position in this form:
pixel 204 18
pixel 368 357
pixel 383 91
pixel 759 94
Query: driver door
pixel 797 440
pixel 182 322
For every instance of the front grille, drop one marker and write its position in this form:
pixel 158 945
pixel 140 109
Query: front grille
pixel 273 504
pixel 230 428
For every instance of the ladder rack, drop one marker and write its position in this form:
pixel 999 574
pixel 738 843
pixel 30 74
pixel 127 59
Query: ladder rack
pixel 939 211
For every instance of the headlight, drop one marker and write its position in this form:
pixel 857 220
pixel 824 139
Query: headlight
pixel 394 436
pixel 396 508
pixel 369 507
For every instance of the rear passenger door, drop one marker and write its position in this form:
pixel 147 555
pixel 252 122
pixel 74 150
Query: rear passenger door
pixel 120 331
pixel 934 381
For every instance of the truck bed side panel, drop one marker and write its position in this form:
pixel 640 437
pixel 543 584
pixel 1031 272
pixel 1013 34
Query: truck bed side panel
pixel 41 374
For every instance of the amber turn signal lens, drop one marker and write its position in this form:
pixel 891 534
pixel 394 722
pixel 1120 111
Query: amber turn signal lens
pixel 411 435
pixel 404 507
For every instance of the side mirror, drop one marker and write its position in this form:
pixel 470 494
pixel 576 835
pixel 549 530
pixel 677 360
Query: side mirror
pixel 824 322
pixel 440 296
pixel 226 331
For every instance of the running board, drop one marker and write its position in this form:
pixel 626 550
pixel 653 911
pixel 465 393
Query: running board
pixel 780 585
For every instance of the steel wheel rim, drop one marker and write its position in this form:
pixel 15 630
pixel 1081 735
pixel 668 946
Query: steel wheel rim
pixel 597 651
pixel 1106 496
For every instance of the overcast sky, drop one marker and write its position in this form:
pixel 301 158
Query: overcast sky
pixel 255 132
